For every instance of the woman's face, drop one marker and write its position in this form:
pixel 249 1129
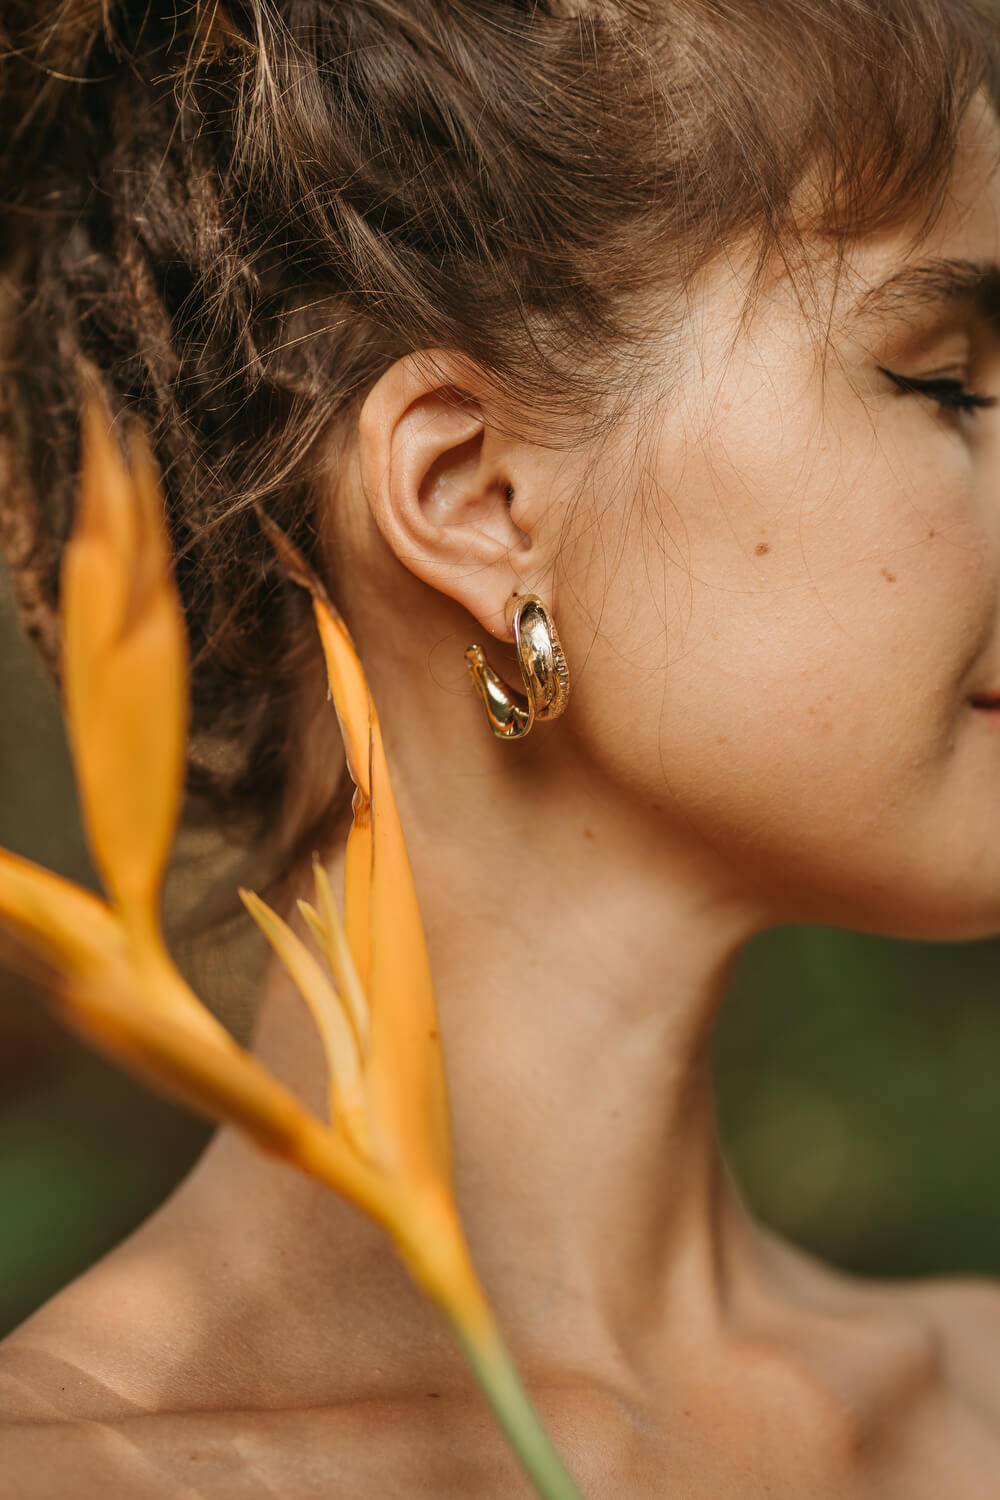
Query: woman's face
pixel 799 609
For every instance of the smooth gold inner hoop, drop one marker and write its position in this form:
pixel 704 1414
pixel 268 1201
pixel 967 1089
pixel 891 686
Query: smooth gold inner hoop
pixel 542 662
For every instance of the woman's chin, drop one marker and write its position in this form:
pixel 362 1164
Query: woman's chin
pixel 948 921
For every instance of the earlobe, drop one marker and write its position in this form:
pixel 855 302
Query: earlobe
pixel 437 480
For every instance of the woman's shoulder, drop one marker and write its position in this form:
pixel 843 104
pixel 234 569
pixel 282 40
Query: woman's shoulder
pixel 964 1314
pixel 232 1456
pixel 428 1449
pixel 65 1430
pixel 945 1329
pixel 80 1415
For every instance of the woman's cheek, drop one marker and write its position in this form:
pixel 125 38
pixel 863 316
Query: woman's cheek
pixel 793 617
pixel 902 558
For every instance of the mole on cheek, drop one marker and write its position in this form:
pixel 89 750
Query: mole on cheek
pixel 761 548
pixel 889 577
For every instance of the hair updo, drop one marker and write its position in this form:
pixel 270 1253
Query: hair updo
pixel 240 214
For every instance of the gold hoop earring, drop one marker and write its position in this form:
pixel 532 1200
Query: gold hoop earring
pixel 543 667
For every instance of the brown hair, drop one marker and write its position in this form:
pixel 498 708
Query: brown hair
pixel 240 216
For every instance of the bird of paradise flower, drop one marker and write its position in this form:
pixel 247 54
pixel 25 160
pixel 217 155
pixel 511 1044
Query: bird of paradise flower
pixel 106 968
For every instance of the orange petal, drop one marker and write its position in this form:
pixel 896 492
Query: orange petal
pixel 125 672
pixel 77 939
pixel 405 1069
pixel 405 1073
pixel 338 955
pixel 347 1097
pixel 358 859
pixel 70 929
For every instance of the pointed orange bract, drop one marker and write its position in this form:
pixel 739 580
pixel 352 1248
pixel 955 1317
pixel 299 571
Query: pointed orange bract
pixel 124 652
pixel 73 929
pixel 329 933
pixel 345 1063
pixel 406 1070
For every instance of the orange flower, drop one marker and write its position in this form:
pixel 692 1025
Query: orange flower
pixel 386 1144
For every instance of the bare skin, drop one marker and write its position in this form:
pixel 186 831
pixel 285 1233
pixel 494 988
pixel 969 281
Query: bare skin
pixel 779 620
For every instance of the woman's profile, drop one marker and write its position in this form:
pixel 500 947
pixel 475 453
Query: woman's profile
pixel 682 317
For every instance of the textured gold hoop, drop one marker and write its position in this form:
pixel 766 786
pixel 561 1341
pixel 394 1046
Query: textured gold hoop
pixel 543 667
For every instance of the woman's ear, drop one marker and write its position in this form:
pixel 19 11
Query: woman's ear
pixel 444 487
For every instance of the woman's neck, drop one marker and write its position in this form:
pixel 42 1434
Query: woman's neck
pixel 579 962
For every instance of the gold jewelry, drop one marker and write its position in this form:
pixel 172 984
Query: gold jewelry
pixel 543 667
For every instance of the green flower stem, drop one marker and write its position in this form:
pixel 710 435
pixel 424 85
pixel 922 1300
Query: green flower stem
pixel 501 1384
pixel 434 1250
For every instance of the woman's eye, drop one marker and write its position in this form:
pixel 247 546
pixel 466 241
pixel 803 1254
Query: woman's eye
pixel 949 394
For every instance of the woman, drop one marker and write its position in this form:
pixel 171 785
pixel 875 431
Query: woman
pixel 681 317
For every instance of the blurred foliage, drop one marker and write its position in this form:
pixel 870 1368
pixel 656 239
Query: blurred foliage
pixel 856 1079
pixel 858 1098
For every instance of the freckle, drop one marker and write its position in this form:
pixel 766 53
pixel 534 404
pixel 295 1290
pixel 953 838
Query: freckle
pixel 812 709
pixel 931 533
pixel 432 1036
pixel 588 833
pixel 722 739
pixel 761 548
pixel 889 577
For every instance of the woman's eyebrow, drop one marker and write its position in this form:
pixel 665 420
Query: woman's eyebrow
pixel 934 283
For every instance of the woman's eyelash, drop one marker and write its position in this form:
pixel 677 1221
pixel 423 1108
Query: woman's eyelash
pixel 950 394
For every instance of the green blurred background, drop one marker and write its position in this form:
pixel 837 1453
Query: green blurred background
pixel 857 1078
